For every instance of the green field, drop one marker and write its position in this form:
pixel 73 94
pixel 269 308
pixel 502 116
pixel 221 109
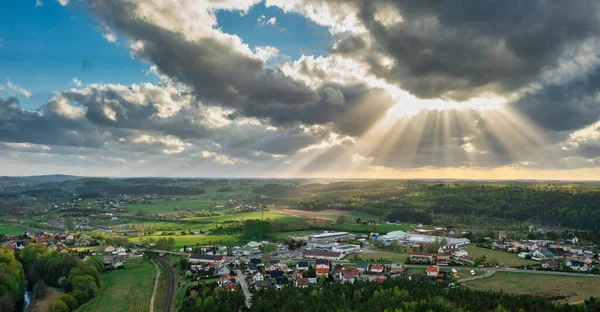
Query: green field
pixel 563 288
pixel 12 229
pixel 164 206
pixel 399 257
pixel 505 258
pixel 272 215
pixel 191 240
pixel 129 289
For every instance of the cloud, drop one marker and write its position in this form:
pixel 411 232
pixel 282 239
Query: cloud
pixel 18 89
pixel 38 3
pixel 461 50
pixel 63 2
pixel 262 21
pixel 76 82
pixel 222 71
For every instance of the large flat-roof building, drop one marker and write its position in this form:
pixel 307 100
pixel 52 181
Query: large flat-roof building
pixel 420 238
pixel 330 236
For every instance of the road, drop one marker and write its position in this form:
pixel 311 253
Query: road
pixel 155 286
pixel 494 270
pixel 242 280
pixel 171 288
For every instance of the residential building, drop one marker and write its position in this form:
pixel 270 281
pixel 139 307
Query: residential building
pixel 432 270
pixel 302 283
pixel 397 268
pixel 258 277
pixel 376 269
pixel 347 276
pixel 302 265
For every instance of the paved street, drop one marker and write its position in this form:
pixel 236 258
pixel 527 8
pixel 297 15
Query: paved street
pixel 242 281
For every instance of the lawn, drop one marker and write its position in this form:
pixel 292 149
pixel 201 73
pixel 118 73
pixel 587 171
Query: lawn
pixel 164 205
pixel 398 257
pixel 192 240
pixel 12 229
pixel 129 289
pixel 563 288
pixel 505 258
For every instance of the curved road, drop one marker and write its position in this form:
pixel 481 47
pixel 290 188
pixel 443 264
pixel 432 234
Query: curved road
pixel 171 288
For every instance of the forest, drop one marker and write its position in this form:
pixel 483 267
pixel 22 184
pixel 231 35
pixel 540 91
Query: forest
pixel 548 204
pixel 392 295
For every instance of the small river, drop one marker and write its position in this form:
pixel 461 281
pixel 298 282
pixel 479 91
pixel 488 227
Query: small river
pixel 27 300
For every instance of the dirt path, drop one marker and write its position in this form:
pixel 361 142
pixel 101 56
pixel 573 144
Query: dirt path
pixel 171 288
pixel 155 286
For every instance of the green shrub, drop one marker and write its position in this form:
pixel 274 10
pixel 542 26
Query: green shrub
pixel 59 306
pixel 70 300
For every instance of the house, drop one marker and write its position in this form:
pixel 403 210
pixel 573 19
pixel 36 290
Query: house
pixel 302 283
pixel 202 258
pixel 376 269
pixel 322 264
pixel 347 276
pixel 442 259
pixel 454 250
pixel 432 270
pixel 499 244
pixel 316 254
pixel 225 278
pixel 421 257
pixel 550 265
pixel 397 268
pixel 281 282
pixel 222 269
pixel 276 274
pixel 258 277
pixel 530 246
pixel 543 254
pixel 323 271
pixel 230 287
pixel 261 284
pixel 573 239
pixel 362 267
pixel 586 259
pixel 107 260
pixel 302 265
pixel 577 265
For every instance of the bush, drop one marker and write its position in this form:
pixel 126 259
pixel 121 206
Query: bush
pixel 81 296
pixel 59 306
pixel 71 302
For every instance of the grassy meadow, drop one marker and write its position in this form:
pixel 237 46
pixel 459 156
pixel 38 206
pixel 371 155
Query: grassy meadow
pixel 505 258
pixel 129 289
pixel 167 206
pixel 12 229
pixel 563 288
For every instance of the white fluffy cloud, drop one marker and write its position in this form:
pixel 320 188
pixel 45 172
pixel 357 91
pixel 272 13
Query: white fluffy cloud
pixel 17 89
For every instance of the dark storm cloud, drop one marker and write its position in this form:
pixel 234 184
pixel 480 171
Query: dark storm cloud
pixel 221 75
pixel 567 106
pixel 459 49
pixel 49 125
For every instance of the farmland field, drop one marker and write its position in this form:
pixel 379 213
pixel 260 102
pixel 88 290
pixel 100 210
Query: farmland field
pixel 563 288
pixel 191 240
pixel 164 205
pixel 505 258
pixel 129 289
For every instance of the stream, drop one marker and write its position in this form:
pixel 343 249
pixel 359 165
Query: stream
pixel 27 300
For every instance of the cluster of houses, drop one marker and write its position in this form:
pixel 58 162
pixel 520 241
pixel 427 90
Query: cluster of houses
pixel 551 252
pixel 53 241
pixel 115 256
pixel 445 255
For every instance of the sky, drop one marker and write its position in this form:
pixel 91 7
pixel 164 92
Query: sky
pixel 301 88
